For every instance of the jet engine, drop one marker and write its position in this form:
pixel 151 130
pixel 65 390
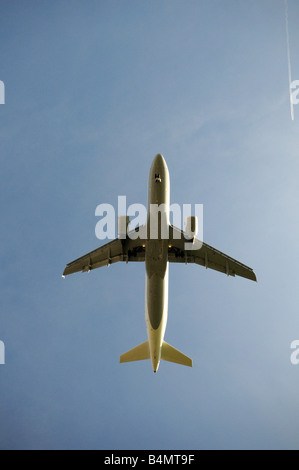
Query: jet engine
pixel 191 227
pixel 122 226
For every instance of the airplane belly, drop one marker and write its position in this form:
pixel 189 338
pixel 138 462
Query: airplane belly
pixel 156 265
pixel 156 259
pixel 157 300
pixel 156 311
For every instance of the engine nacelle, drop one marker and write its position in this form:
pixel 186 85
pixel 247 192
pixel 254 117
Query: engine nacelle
pixel 191 227
pixel 122 226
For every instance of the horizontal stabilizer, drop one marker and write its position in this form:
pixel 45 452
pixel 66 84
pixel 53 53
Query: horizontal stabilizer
pixel 139 353
pixel 171 354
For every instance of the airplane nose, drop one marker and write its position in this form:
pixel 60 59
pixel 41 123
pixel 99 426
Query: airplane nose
pixel 159 174
pixel 159 164
pixel 159 160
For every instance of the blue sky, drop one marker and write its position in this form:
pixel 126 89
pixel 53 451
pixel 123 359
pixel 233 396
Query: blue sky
pixel 93 91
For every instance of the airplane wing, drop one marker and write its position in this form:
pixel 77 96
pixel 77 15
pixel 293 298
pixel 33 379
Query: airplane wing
pixel 205 255
pixel 116 250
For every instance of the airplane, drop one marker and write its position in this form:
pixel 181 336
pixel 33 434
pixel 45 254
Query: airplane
pixel 157 252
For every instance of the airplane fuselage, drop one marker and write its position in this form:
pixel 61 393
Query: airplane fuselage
pixel 156 258
pixel 157 243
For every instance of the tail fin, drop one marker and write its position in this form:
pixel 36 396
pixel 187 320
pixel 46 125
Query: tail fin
pixel 139 353
pixel 171 354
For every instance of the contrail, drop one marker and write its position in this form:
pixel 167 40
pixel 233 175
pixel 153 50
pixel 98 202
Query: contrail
pixel 289 58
